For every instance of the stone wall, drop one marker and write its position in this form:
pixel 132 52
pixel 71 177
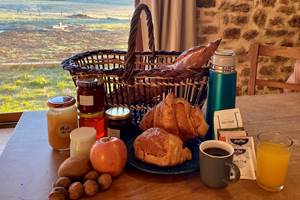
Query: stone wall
pixel 242 22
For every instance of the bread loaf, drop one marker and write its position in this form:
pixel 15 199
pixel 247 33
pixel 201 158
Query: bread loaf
pixel 195 57
pixel 191 59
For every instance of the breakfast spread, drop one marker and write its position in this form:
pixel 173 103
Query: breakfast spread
pixel 144 109
pixel 166 128
pixel 165 131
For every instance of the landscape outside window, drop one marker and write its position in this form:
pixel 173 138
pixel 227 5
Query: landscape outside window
pixel 36 35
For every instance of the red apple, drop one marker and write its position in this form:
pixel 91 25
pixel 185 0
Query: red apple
pixel 109 155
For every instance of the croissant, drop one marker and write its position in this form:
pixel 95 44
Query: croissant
pixel 177 116
pixel 164 115
pixel 157 146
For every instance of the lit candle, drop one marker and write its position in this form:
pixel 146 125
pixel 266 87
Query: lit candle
pixel 82 139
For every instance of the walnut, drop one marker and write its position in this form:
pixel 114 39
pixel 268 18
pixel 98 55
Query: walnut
pixel 62 182
pixel 58 193
pixel 90 187
pixel 75 190
pixel 92 175
pixel 104 181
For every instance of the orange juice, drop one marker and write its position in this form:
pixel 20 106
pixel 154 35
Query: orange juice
pixel 272 165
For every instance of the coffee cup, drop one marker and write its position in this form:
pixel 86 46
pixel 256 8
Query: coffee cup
pixel 216 164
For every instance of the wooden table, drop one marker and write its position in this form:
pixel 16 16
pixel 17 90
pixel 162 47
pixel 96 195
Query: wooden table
pixel 28 165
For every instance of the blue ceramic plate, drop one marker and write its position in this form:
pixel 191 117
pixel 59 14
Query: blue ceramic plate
pixel 186 167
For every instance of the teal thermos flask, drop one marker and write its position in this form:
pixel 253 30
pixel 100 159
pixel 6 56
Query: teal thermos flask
pixel 221 86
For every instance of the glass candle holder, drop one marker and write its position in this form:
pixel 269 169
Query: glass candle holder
pixel 273 155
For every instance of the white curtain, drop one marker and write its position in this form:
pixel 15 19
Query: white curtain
pixel 174 24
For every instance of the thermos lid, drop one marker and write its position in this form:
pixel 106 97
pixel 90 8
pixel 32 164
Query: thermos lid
pixel 224 58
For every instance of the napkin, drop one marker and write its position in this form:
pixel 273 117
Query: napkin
pixel 244 155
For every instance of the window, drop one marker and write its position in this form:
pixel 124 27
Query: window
pixel 36 35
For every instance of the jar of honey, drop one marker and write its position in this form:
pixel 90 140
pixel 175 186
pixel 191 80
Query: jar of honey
pixel 90 95
pixel 62 119
pixel 118 122
pixel 95 120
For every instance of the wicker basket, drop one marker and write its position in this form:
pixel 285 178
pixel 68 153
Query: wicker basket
pixel 123 87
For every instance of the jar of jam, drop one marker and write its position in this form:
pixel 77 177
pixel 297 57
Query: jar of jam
pixel 118 122
pixel 90 95
pixel 62 119
pixel 95 120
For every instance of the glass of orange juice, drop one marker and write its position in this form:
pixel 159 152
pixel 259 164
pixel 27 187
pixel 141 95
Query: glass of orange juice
pixel 273 154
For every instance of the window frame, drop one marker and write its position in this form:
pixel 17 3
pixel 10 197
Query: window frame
pixel 9 120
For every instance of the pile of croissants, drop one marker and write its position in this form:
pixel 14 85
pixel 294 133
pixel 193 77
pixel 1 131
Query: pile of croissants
pixel 176 116
pixel 166 127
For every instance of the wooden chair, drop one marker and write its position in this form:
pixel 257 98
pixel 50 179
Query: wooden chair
pixel 257 50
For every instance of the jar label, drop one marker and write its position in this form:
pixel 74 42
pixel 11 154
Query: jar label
pixel 64 130
pixel 86 100
pixel 113 132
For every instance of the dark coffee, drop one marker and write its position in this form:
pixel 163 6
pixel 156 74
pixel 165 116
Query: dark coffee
pixel 214 151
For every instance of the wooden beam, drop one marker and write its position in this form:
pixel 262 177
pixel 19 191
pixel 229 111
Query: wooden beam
pixel 289 52
pixel 253 55
pixel 275 84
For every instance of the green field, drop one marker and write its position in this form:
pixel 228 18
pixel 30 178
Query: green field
pixel 29 88
pixel 56 45
pixel 29 33
pixel 23 88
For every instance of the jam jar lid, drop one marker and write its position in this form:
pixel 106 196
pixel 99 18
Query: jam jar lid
pixel 118 113
pixel 61 102
pixel 89 83
pixel 91 115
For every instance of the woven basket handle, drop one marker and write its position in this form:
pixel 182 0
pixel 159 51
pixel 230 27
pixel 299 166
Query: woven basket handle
pixel 130 57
